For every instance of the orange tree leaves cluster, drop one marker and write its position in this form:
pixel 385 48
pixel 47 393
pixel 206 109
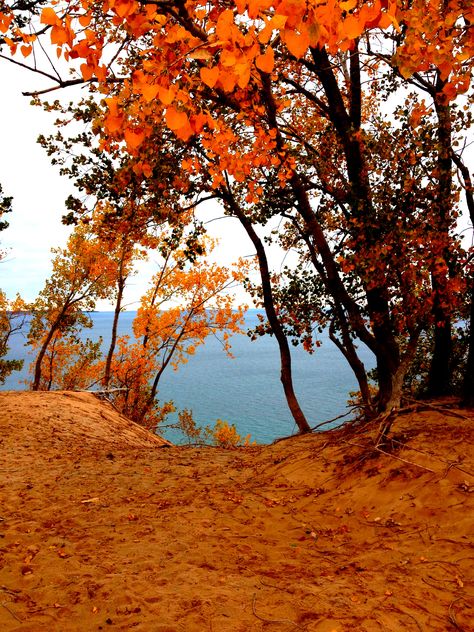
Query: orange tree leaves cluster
pixel 184 305
pixel 279 108
pixel 82 274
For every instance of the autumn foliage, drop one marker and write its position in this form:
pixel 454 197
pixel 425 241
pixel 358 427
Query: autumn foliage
pixel 344 122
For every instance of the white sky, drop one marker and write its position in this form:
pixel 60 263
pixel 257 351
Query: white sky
pixel 38 190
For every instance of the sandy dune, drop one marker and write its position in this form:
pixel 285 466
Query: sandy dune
pixel 103 527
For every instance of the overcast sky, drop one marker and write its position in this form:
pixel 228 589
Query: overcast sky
pixel 37 189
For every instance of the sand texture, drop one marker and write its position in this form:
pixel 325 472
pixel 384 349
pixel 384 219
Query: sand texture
pixel 103 527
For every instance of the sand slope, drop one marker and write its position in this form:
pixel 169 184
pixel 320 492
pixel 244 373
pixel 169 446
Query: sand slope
pixel 101 528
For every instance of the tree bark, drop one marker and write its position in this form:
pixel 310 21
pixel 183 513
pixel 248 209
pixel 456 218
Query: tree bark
pixel 347 125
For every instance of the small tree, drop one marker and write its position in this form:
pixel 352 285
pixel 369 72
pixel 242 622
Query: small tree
pixel 184 305
pixel 13 315
pixel 82 273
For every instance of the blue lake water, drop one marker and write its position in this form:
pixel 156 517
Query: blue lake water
pixel 245 390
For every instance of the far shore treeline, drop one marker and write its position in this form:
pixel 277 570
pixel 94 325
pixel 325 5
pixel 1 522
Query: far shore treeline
pixel 338 132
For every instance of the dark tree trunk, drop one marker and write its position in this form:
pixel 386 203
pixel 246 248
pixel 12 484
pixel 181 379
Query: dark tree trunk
pixel 113 340
pixel 268 302
pixel 439 374
pixel 439 382
pixel 468 382
pixel 386 347
pixel 348 350
pixel 39 358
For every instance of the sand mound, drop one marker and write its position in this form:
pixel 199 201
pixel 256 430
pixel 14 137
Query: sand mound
pixel 99 531
pixel 62 415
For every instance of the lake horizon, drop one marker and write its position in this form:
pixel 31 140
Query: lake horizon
pixel 244 390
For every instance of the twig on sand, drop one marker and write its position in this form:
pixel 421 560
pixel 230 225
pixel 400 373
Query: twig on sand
pixel 297 625
pixel 395 609
pixel 399 458
pixel 15 616
pixel 438 409
pixel 452 616
pixel 329 421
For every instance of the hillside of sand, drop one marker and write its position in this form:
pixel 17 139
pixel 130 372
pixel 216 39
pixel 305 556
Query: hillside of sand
pixel 104 527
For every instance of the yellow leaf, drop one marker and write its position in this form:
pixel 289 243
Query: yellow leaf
pixel 266 62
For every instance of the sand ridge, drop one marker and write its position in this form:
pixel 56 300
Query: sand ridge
pixel 102 528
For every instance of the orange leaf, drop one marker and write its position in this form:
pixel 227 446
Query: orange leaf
pixel 166 95
pixel 85 20
pixel 87 72
pixel 59 35
pixel 243 74
pixel 266 61
pixel 48 16
pixel 185 132
pixel 101 72
pixel 297 43
pixel 26 50
pixel 149 91
pixel 133 137
pixel 5 21
pixel 210 76
pixel 175 119
pixel 224 24
pixel 351 27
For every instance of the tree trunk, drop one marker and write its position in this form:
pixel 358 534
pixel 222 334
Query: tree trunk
pixel 468 382
pixel 439 374
pixel 113 340
pixel 285 354
pixel 348 350
pixel 39 358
